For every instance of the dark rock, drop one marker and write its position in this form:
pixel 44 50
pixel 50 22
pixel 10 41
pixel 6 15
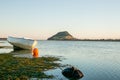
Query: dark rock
pixel 72 73
pixel 62 36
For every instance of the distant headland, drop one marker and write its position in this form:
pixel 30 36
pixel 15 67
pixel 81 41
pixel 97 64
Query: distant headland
pixel 66 36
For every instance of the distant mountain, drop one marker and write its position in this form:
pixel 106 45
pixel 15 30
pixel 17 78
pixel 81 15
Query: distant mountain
pixel 64 35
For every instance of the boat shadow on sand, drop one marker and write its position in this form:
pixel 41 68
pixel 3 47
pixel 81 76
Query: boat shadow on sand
pixel 22 53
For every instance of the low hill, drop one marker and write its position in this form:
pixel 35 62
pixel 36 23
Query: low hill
pixel 64 35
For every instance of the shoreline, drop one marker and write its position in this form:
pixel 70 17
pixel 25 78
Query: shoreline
pixel 87 40
pixel 26 68
pixel 110 40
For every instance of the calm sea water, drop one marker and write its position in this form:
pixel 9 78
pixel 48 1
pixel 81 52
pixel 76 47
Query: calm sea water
pixel 97 60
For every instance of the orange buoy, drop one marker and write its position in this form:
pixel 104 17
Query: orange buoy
pixel 35 52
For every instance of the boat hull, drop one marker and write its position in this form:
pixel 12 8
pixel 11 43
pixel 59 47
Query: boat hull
pixel 22 43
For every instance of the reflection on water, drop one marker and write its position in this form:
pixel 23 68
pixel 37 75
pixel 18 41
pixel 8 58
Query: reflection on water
pixel 4 50
pixel 5 47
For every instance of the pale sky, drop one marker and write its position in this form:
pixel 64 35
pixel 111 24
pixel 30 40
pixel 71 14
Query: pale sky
pixel 40 19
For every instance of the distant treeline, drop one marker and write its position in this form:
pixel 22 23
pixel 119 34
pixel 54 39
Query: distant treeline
pixel 91 40
pixel 98 40
pixel 83 39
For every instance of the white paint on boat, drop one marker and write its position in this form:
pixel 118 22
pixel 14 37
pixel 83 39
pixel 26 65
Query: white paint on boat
pixel 22 43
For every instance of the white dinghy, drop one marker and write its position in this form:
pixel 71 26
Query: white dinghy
pixel 22 43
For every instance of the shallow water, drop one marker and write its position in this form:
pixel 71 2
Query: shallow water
pixel 97 60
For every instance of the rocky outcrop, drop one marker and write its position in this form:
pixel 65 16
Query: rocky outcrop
pixel 62 36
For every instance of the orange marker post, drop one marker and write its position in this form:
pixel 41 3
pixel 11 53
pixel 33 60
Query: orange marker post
pixel 35 52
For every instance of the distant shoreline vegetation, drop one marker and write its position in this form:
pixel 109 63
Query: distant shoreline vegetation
pixel 89 40
pixel 80 40
pixel 98 40
pixel 65 36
